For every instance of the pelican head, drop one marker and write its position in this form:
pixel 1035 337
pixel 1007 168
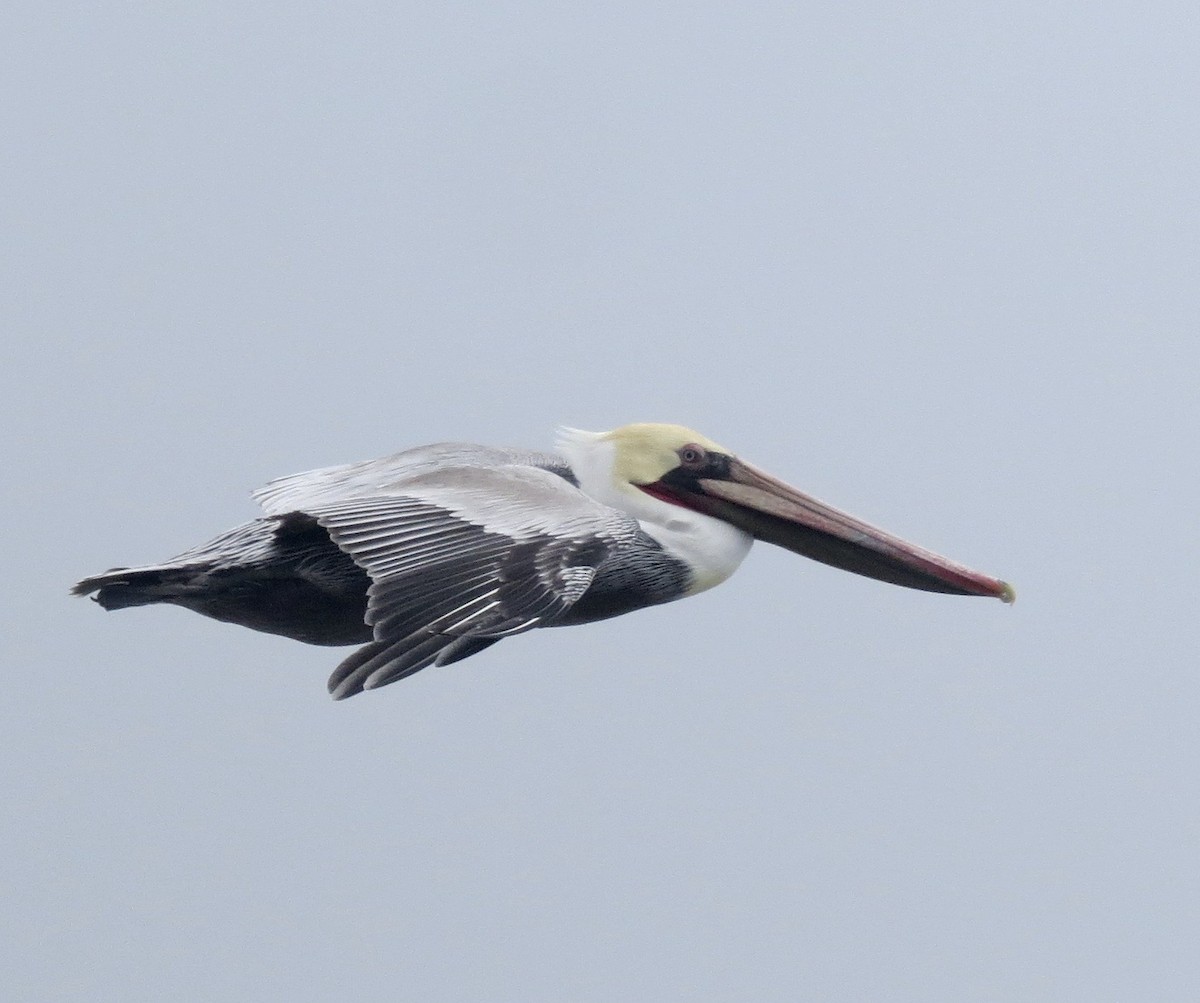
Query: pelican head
pixel 675 466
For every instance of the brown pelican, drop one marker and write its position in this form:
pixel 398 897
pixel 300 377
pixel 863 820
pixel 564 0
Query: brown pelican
pixel 435 553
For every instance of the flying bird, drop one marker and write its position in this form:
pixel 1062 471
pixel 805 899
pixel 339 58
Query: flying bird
pixel 433 554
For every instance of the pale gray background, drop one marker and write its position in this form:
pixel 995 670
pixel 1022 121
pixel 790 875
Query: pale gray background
pixel 935 262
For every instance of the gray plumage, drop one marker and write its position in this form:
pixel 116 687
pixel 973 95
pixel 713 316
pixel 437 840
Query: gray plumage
pixel 424 557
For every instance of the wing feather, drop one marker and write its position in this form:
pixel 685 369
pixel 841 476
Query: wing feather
pixel 371 477
pixel 459 557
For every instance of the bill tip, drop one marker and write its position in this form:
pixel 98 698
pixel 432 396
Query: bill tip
pixel 1007 593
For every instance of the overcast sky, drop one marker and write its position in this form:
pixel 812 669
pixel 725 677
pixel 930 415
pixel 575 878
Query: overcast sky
pixel 937 264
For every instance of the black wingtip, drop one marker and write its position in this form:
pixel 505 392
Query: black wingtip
pixel 343 692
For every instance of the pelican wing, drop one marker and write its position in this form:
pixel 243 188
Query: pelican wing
pixel 372 477
pixel 459 557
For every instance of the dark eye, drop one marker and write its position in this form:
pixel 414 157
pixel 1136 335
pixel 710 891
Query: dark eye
pixel 692 455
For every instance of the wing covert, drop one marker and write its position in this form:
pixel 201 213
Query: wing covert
pixel 461 557
pixel 367 478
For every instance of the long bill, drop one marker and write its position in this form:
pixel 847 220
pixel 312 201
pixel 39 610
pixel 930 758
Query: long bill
pixel 777 513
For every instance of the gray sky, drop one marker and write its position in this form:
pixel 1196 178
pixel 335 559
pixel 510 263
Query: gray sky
pixel 936 264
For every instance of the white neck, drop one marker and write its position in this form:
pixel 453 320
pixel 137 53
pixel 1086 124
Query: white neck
pixel 713 549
